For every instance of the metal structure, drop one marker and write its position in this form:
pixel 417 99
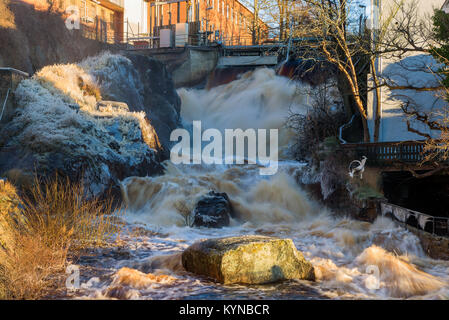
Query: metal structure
pixel 438 226
pixel 410 152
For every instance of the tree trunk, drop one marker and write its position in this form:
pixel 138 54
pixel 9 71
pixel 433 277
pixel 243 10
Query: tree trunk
pixel 363 117
pixel 255 21
pixel 378 106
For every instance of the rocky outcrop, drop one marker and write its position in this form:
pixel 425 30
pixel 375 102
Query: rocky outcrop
pixel 145 85
pixel 247 260
pixel 90 121
pixel 160 99
pixel 213 210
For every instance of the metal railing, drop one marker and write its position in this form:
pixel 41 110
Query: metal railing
pixel 438 226
pixel 195 37
pixel 382 152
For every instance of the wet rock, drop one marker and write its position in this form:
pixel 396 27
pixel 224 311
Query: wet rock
pixel 157 96
pixel 247 260
pixel 213 210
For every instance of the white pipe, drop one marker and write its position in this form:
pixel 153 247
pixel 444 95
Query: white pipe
pixel 340 135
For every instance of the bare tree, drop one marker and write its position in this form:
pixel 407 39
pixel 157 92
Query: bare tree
pixel 355 52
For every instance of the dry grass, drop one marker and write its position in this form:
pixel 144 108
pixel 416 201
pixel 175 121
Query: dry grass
pixel 58 210
pixel 6 17
pixel 39 230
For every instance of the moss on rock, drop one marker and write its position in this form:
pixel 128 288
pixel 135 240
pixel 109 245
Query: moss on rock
pixel 247 260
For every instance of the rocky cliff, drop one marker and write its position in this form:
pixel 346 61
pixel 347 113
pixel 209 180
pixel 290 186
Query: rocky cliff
pixel 101 120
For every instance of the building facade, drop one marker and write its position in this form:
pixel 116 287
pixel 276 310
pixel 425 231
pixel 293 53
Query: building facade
pixel 406 76
pixel 99 19
pixel 227 21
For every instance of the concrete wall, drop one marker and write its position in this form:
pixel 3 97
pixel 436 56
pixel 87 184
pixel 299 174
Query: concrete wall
pixel 189 66
pixel 411 71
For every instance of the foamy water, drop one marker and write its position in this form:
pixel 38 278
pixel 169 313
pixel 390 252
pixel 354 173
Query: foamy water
pixel 343 251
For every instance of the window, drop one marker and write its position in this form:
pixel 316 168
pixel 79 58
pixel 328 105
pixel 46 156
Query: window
pixel 83 9
pixel 178 11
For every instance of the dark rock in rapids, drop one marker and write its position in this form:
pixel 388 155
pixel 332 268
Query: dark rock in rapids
pixel 213 210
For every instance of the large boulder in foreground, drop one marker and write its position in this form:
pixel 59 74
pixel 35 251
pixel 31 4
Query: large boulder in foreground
pixel 213 210
pixel 247 260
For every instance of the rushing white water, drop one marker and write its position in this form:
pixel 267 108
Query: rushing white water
pixel 257 100
pixel 342 250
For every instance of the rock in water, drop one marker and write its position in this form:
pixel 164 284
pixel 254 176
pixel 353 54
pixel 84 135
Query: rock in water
pixel 212 211
pixel 247 260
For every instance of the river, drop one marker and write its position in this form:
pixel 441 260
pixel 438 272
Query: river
pixel 343 251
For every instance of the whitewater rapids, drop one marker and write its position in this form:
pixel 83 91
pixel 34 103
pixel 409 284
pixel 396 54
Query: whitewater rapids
pixel 343 251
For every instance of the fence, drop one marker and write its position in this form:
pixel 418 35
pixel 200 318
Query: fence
pixel 195 37
pixel 407 151
pixel 438 226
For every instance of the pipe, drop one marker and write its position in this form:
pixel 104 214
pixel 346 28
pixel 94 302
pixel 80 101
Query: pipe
pixel 340 135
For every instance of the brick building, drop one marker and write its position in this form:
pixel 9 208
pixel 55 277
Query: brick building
pixel 228 21
pixel 100 19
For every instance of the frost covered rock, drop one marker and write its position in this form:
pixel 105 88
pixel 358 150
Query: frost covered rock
pixel 144 85
pixel 213 210
pixel 68 122
pixel 105 106
pixel 247 259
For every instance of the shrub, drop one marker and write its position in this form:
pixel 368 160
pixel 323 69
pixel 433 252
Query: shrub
pixel 40 229
pixel 320 124
pixel 58 210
